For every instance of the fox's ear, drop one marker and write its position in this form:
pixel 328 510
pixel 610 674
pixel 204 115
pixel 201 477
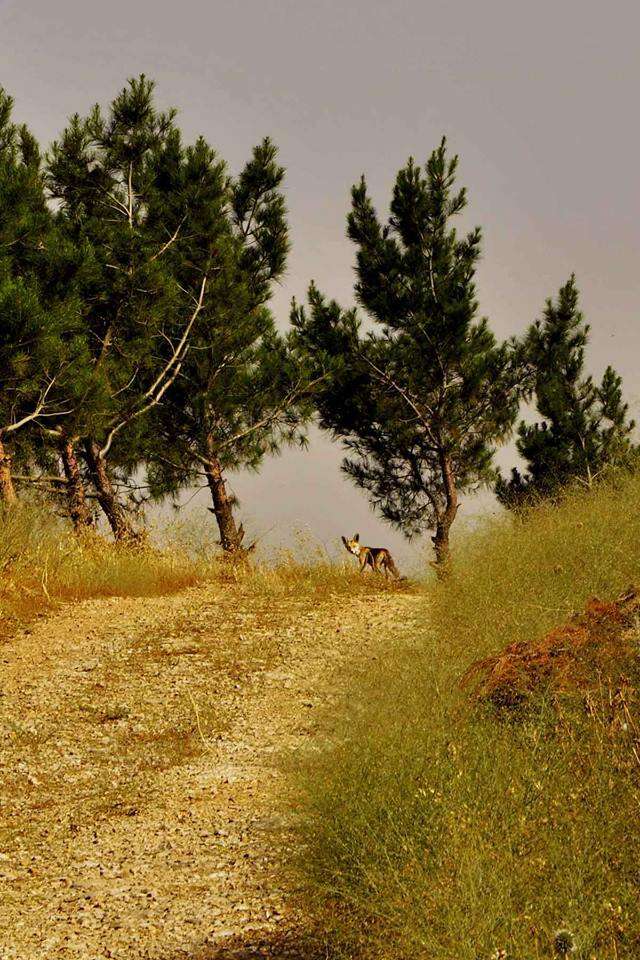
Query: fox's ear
pixel 210 509
pixel 357 537
pixel 344 540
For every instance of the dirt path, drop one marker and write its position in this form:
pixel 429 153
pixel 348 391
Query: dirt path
pixel 142 811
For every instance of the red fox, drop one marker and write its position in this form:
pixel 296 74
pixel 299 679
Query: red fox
pixel 378 558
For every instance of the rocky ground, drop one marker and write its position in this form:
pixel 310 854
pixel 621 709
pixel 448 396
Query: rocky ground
pixel 143 811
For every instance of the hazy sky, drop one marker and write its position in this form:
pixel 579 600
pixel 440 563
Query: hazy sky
pixel 539 99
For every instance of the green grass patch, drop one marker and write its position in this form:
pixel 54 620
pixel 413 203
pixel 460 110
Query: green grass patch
pixel 436 827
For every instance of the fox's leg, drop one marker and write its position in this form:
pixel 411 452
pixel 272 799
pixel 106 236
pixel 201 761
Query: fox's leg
pixel 363 562
pixel 392 567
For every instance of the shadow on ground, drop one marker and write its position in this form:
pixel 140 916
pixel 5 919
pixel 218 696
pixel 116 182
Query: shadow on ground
pixel 268 945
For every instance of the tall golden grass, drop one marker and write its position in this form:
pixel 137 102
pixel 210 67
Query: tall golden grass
pixel 42 561
pixel 434 828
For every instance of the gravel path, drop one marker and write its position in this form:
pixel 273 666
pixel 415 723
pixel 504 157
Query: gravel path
pixel 142 809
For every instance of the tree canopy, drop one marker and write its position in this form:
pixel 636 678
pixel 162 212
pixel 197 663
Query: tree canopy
pixel 585 426
pixel 421 398
pixel 139 356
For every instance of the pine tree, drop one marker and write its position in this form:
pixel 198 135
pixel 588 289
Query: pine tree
pixel 40 327
pixel 126 190
pixel 585 427
pixel 241 392
pixel 174 263
pixel 420 401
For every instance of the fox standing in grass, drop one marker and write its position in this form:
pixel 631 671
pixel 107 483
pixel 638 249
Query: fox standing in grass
pixel 378 558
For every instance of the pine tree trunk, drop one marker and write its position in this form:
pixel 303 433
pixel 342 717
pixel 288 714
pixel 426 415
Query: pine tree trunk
pixel 231 535
pixel 116 514
pixel 78 508
pixel 445 519
pixel 7 490
pixel 441 549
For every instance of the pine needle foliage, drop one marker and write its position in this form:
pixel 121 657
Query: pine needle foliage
pixel 586 427
pixel 420 401
pixel 40 321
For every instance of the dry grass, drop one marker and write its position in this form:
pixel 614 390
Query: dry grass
pixel 316 575
pixel 43 562
pixel 435 827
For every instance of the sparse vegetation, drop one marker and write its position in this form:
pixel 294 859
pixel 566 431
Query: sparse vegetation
pixel 438 827
pixel 42 561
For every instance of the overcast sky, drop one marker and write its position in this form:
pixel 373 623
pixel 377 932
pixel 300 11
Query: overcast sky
pixel 539 99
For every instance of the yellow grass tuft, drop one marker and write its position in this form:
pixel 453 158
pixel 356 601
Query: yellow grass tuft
pixel 43 561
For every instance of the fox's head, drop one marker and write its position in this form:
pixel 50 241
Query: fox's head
pixel 353 545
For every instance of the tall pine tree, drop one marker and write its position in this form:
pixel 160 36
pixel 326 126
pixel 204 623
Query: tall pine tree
pixel 129 196
pixel 40 322
pixel 174 263
pixel 585 425
pixel 420 401
pixel 241 392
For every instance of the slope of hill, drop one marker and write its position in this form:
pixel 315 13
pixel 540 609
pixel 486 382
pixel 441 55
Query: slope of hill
pixel 490 813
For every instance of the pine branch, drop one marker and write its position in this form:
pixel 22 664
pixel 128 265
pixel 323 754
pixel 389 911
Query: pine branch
pixel 402 392
pixel 37 412
pixel 165 378
pixel 169 242
pixel 302 388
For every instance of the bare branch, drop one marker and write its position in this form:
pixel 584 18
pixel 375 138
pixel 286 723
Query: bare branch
pixel 179 350
pixel 37 412
pixel 164 379
pixel 271 417
pixel 26 478
pixel 171 240
pixel 130 197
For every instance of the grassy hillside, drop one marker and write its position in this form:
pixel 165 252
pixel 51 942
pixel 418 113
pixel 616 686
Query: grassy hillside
pixel 437 825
